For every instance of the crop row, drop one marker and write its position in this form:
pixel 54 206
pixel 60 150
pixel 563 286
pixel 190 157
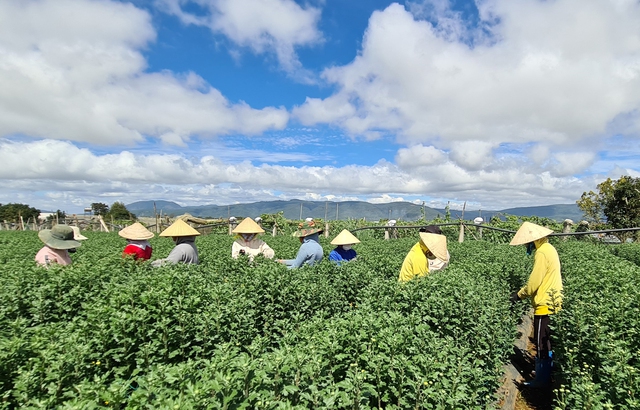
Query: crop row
pixel 228 334
pixel 598 330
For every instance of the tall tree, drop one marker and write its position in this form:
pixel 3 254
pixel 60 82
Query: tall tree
pixel 617 200
pixel 99 208
pixel 13 212
pixel 120 211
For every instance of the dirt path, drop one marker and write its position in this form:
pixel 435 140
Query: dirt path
pixel 513 395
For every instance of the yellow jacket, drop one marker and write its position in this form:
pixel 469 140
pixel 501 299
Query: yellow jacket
pixel 415 263
pixel 545 280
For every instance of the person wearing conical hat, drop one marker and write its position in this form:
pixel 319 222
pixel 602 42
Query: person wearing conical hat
pixel 310 251
pixel 416 263
pixel 185 250
pixel 57 240
pixel 343 251
pixel 138 245
pixel 436 263
pixel 248 242
pixel 544 288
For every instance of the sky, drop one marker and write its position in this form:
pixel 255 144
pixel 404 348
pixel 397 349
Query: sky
pixel 492 103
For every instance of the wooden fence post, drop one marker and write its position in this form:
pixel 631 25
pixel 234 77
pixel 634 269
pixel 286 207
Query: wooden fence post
pixel 461 235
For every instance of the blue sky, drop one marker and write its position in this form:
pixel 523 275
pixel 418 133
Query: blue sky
pixel 496 103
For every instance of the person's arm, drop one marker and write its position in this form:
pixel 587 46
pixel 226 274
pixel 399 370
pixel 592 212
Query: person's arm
pixel 299 260
pixel 235 250
pixel 267 251
pixel 335 256
pixel 176 255
pixel 406 272
pixel 537 274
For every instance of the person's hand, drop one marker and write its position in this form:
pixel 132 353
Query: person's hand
pixel 514 298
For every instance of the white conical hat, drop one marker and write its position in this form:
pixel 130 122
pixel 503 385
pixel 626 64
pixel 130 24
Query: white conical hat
pixel 529 232
pixel 179 228
pixel 248 225
pixel 345 238
pixel 136 232
pixel 437 244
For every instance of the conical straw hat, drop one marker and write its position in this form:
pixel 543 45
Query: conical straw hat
pixel 344 238
pixel 529 232
pixel 248 226
pixel 179 228
pixel 136 232
pixel 437 244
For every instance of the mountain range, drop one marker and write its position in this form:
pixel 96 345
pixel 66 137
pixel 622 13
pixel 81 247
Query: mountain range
pixel 296 209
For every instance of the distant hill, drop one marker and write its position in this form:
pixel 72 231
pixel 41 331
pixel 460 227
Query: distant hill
pixel 294 209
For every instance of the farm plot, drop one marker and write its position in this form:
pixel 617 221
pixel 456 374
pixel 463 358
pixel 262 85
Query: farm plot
pixel 227 334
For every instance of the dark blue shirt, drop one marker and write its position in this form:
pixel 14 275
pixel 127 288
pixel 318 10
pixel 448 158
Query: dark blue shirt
pixel 339 255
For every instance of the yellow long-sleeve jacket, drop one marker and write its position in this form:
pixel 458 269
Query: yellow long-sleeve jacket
pixel 545 280
pixel 415 263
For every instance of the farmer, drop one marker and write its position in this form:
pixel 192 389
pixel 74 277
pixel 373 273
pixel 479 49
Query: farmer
pixel 437 263
pixel 310 251
pixel 57 240
pixel 545 290
pixel 248 242
pixel 416 263
pixel 138 245
pixel 185 250
pixel 343 251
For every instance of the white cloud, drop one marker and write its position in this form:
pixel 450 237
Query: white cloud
pixel 73 70
pixel 72 176
pixel 571 163
pixel 264 26
pixel 419 155
pixel 472 155
pixel 551 72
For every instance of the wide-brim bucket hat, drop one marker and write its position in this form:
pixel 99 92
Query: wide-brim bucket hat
pixel 345 238
pixel 529 232
pixel 59 237
pixel 307 228
pixel 248 225
pixel 179 228
pixel 136 232
pixel 437 244
pixel 77 235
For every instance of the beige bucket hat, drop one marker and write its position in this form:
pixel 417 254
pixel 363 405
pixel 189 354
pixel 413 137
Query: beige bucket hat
pixel 248 225
pixel 345 238
pixel 136 232
pixel 437 244
pixel 529 232
pixel 59 237
pixel 179 228
pixel 77 235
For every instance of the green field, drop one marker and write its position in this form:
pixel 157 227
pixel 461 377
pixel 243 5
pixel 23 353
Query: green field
pixel 108 332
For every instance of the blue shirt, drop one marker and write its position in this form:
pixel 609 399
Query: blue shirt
pixel 309 253
pixel 339 255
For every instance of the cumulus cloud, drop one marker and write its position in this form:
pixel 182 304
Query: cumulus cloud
pixel 264 26
pixel 81 76
pixel 472 155
pixel 571 163
pixel 551 72
pixel 37 169
pixel 418 156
